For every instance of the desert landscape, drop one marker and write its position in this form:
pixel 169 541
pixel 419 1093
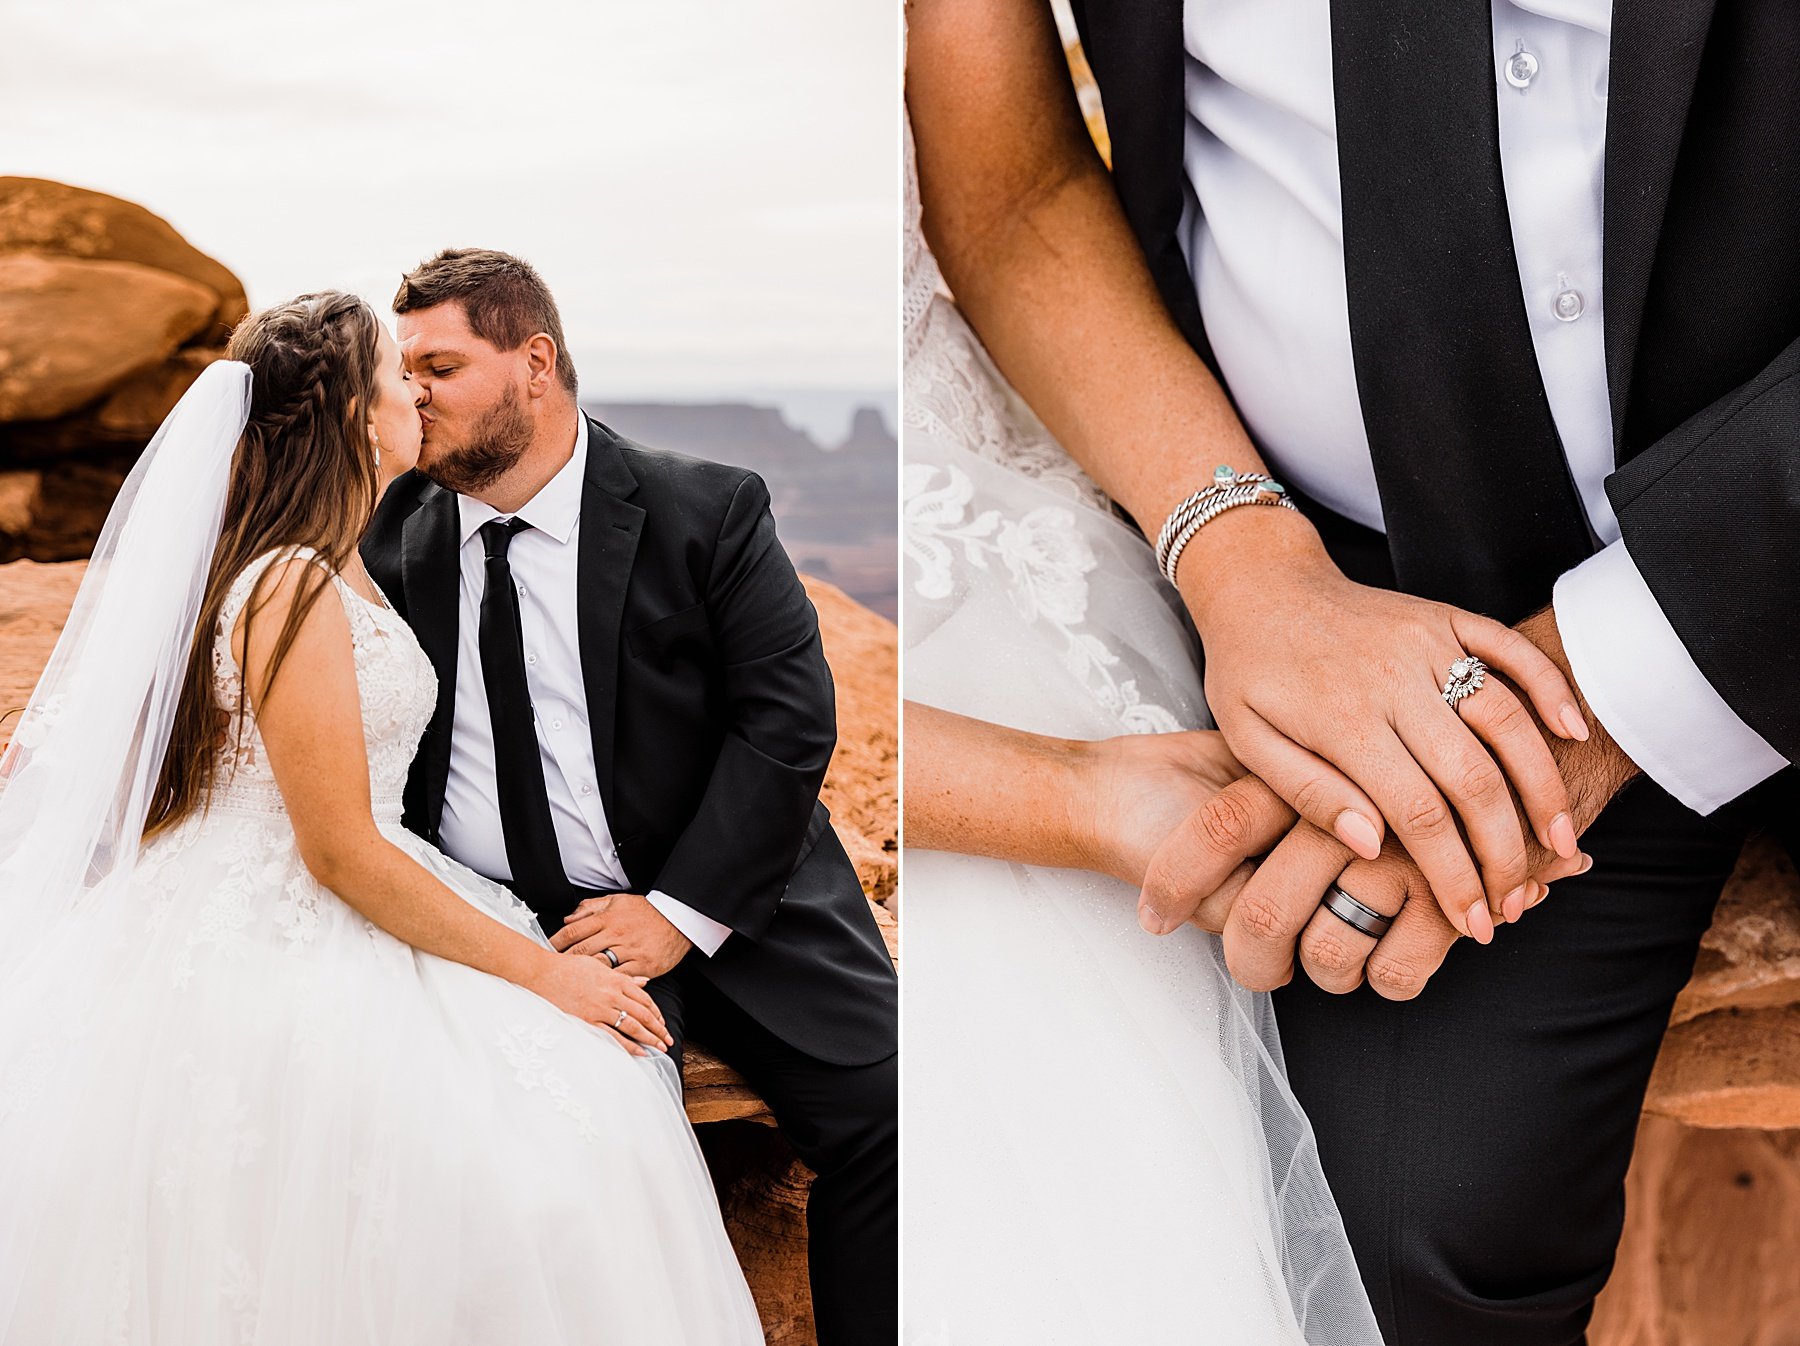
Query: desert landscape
pixel 107 315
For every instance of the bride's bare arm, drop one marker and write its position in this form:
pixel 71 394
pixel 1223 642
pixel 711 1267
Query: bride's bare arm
pixel 310 720
pixel 1325 689
pixel 1021 215
pixel 1104 805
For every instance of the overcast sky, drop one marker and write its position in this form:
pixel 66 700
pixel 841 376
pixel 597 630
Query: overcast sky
pixel 711 188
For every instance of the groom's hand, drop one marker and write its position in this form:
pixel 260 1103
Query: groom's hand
pixel 639 935
pixel 1276 918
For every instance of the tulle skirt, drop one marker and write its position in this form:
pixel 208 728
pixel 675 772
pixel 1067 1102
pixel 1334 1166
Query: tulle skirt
pixel 234 1111
pixel 1101 1145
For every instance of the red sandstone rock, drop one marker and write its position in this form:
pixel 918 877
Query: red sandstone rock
pixel 70 331
pixel 1712 1226
pixel 1731 1068
pixel 1750 958
pixel 135 408
pixel 56 514
pixel 863 784
pixel 59 220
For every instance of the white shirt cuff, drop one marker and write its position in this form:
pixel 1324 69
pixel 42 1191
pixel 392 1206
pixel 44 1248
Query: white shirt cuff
pixel 1647 690
pixel 703 932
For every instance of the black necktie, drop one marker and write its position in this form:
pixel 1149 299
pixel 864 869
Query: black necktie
pixel 525 823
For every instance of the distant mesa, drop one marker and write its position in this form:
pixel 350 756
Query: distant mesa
pixel 835 507
pixel 106 316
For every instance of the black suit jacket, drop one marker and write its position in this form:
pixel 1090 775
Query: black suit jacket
pixel 1702 311
pixel 713 719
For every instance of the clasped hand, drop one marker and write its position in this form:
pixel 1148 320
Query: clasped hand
pixel 641 939
pixel 1331 693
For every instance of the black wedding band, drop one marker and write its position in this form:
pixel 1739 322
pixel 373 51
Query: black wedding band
pixel 1354 914
pixel 610 956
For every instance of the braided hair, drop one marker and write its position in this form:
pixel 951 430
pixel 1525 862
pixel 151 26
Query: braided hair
pixel 303 474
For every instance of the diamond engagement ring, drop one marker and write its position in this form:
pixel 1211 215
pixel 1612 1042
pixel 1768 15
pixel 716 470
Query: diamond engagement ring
pixel 618 1021
pixel 1467 675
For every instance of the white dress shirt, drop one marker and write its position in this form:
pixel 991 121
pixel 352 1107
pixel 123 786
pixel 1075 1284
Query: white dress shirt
pixel 1264 238
pixel 544 561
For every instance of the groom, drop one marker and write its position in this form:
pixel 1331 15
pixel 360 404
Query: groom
pixel 1571 398
pixel 634 717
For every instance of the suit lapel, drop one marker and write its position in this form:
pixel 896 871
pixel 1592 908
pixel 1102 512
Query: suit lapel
pixel 609 532
pixel 1479 505
pixel 1656 49
pixel 431 574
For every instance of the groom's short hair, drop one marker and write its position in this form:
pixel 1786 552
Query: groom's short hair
pixel 506 301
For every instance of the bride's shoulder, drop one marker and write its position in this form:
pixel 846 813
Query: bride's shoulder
pixel 273 582
pixel 278 566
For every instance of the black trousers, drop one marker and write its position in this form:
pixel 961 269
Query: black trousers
pixel 1476 1138
pixel 844 1123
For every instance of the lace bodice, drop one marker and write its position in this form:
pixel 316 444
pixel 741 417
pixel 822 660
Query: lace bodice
pixel 953 389
pixel 394 681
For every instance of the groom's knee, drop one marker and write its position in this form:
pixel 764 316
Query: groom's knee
pixel 1517 1269
pixel 858 1130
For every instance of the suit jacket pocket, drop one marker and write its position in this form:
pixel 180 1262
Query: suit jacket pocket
pixel 655 640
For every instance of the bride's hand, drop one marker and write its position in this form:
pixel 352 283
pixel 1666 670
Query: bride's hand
pixel 590 989
pixel 1142 789
pixel 1332 692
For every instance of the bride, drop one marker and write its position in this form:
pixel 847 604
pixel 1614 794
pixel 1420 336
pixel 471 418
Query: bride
pixel 272 1068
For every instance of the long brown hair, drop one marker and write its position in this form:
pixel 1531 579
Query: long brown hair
pixel 304 474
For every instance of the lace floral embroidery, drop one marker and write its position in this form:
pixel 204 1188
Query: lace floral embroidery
pixel 297 910
pixel 1046 563
pixel 258 863
pixel 241 1292
pixel 220 1138
pixel 523 1046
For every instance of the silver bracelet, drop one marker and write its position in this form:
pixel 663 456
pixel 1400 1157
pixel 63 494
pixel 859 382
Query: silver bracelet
pixel 1228 491
pixel 1224 478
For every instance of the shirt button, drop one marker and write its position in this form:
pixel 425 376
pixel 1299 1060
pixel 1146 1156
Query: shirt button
pixel 1521 67
pixel 531 659
pixel 1567 306
pixel 556 724
pixel 587 789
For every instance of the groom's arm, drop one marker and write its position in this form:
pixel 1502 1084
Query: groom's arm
pixel 733 860
pixel 1686 633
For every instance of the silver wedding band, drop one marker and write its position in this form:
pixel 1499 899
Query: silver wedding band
pixel 610 957
pixel 619 1021
pixel 1354 914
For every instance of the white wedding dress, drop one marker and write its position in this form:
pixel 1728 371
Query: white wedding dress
pixel 1101 1146
pixel 232 1110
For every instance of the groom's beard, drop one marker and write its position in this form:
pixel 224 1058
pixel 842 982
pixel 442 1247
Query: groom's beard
pixel 498 440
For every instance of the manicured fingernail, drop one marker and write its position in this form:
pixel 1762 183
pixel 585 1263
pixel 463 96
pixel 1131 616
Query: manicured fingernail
pixel 1481 925
pixel 1148 918
pixel 1562 836
pixel 1512 906
pixel 1587 863
pixel 1359 834
pixel 1572 722
pixel 1539 891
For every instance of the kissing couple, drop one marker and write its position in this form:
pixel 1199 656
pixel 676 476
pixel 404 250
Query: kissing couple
pixel 421 763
